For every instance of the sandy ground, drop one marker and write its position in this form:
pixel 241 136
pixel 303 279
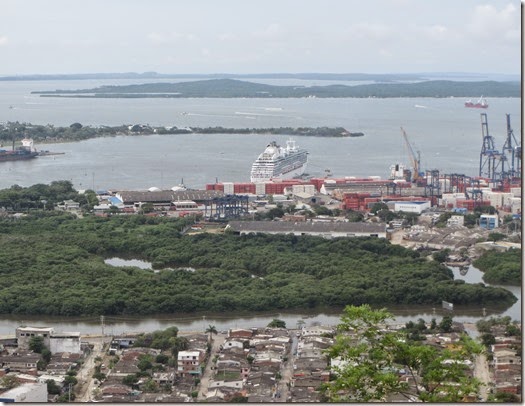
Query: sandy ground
pixel 84 389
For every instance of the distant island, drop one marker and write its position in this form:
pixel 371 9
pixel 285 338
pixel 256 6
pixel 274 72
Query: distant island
pixel 231 88
pixel 79 132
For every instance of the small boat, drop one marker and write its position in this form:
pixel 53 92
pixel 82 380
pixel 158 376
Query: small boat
pixel 480 104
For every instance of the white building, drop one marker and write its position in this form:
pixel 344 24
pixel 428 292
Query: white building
pixel 25 334
pixel 54 341
pixel 28 393
pixel 456 221
pixel 411 207
pixel 65 342
pixel 189 362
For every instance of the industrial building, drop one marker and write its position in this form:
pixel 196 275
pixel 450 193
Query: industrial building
pixel 322 229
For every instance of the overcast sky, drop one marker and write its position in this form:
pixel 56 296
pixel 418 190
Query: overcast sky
pixel 260 36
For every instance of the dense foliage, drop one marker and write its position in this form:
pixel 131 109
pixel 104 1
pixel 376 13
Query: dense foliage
pixel 372 356
pixel 53 263
pixel 239 88
pixel 41 196
pixel 78 132
pixel 500 268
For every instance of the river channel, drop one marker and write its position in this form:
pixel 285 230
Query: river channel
pixel 197 322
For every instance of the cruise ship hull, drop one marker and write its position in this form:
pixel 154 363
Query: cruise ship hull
pixel 294 173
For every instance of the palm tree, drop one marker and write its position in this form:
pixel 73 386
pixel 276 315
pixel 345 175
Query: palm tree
pixel 211 330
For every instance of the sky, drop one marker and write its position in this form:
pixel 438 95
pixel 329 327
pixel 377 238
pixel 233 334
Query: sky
pixel 260 36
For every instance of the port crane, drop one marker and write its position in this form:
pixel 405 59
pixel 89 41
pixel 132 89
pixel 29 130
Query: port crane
pixel 415 158
pixel 490 159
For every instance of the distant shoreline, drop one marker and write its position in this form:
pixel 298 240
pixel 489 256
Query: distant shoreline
pixel 232 88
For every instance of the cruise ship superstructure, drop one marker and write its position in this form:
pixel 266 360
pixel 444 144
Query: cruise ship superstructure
pixel 278 162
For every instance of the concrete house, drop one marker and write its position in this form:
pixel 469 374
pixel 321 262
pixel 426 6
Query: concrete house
pixel 233 344
pixel 25 334
pixel 20 362
pixel 54 341
pixel 189 362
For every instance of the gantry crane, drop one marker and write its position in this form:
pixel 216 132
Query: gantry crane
pixel 415 158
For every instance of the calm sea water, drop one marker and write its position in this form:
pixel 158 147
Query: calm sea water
pixel 447 134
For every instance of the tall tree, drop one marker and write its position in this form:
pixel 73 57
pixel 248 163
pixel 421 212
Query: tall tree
pixel 36 344
pixel 371 357
pixel 211 330
pixel 277 323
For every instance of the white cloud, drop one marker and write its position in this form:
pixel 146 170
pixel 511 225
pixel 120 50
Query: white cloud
pixel 372 31
pixel 487 22
pixel 227 37
pixel 437 32
pixel 3 40
pixel 169 38
pixel 271 32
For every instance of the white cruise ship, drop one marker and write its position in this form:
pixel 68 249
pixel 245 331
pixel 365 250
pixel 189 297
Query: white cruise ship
pixel 277 162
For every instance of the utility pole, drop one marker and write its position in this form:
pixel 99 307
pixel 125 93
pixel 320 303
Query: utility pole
pixel 102 324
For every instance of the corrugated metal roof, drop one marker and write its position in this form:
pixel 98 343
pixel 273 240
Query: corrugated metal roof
pixel 318 227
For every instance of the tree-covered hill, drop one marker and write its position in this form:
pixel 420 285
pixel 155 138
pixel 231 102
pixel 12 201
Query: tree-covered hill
pixel 53 263
pixel 225 88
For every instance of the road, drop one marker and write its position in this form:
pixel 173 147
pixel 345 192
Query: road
pixel 283 390
pixel 481 372
pixel 217 341
pixel 86 383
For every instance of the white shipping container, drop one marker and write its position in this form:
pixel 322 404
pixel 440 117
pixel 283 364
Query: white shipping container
pixel 448 199
pixel 506 198
pixel 495 199
pixel 260 188
pixel 515 191
pixel 515 201
pixel 310 189
pixel 228 188
pixel 297 189
pixel 444 184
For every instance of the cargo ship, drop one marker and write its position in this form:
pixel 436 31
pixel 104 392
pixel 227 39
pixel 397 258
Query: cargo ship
pixel 480 104
pixel 17 154
pixel 277 162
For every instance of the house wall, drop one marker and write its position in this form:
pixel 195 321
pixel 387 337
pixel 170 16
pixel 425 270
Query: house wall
pixel 233 344
pixel 65 344
pixel 24 335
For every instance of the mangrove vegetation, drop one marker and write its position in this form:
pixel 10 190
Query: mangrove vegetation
pixel 52 263
pixel 501 268
pixel 77 132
